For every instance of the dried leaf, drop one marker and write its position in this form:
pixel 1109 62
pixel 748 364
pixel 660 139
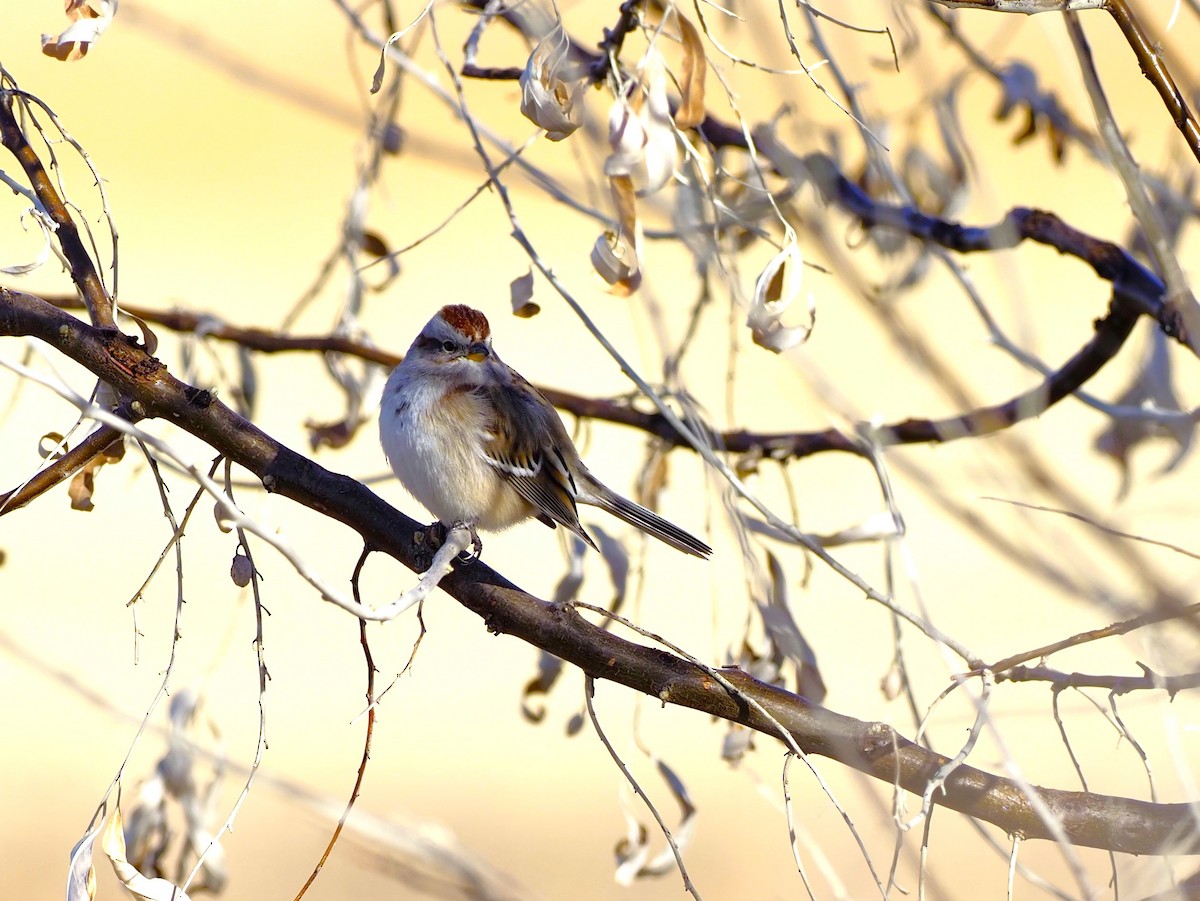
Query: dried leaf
pixel 149 339
pixel 521 291
pixel 245 391
pixel 331 434
pixel 549 89
pixel 374 244
pixel 633 852
pixel 692 212
pixel 113 843
pixel 875 527
pixel 1152 388
pixel 786 636
pixel 778 285
pixel 617 256
pixel 242 570
pixel 738 742
pixel 616 263
pixel 533 706
pixel 83 484
pixel 691 85
pixel 81 876
pixel 616 558
pixel 87 25
pixel 225 522
pixel 47 226
pixel 51 446
pixel 640 131
pixel 892 682
pixel 549 666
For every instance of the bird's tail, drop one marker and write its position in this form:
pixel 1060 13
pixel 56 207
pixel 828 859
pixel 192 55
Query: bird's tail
pixel 651 523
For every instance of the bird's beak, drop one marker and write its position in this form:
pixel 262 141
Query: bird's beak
pixel 478 352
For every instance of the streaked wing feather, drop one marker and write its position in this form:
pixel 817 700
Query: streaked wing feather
pixel 514 450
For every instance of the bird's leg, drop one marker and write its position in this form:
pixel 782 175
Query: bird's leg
pixel 427 542
pixel 476 542
pixel 434 536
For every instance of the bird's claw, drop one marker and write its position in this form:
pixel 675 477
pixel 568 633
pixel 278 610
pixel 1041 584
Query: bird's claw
pixel 476 543
pixel 435 535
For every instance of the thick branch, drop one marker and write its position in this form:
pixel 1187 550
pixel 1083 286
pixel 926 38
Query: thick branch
pixel 1119 824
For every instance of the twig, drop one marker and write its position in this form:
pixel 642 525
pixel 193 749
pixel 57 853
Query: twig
pixel 589 690
pixel 1118 685
pixel 1120 628
pixel 366 754
pixel 83 270
pixel 1179 296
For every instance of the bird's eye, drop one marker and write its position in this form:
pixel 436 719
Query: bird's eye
pixel 448 347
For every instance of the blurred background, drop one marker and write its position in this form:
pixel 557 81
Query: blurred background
pixel 232 140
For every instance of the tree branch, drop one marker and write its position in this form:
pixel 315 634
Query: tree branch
pixel 1119 824
pixel 83 271
pixel 62 468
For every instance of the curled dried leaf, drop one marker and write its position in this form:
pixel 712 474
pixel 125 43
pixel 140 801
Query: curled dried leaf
pixel 47 225
pixel 331 434
pixel 83 484
pixel 549 87
pixel 225 522
pixel 616 256
pixel 616 263
pixel 81 876
pixel 51 446
pixel 149 339
pixel 521 291
pixel 87 26
pixel 640 130
pixel 778 285
pixel 158 889
pixel 691 83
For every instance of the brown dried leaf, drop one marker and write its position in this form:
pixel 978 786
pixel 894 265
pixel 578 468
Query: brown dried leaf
pixel 521 292
pixel 148 337
pixel 616 256
pixel 691 85
pixel 83 484
pixel 87 25
pixel 51 446
pixel 331 434
pixel 374 244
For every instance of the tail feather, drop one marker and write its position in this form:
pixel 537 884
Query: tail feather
pixel 650 523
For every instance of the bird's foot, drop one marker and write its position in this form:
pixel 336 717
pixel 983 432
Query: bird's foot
pixel 434 536
pixel 476 542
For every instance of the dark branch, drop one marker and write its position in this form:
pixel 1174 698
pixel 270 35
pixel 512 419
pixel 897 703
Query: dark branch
pixel 62 468
pixel 1118 685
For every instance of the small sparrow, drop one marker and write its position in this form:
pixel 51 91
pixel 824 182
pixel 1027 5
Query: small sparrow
pixel 481 447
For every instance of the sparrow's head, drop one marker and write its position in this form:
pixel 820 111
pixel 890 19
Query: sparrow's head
pixel 456 341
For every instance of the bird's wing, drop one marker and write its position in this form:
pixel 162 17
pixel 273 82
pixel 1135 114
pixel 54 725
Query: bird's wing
pixel 525 445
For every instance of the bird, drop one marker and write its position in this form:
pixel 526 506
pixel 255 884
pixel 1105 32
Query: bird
pixel 481 448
